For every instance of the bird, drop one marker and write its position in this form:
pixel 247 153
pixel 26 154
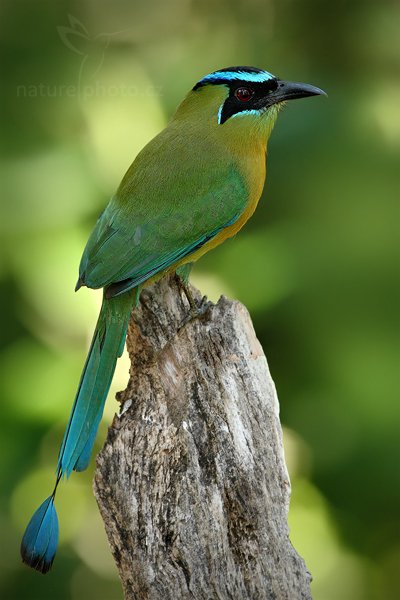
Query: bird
pixel 189 189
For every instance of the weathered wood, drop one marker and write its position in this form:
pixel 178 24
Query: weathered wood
pixel 192 483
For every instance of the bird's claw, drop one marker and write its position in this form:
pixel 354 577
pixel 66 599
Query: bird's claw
pixel 196 311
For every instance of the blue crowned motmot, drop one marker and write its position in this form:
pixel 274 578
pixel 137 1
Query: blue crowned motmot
pixel 193 186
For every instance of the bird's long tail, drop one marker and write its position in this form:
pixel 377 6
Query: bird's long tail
pixel 40 540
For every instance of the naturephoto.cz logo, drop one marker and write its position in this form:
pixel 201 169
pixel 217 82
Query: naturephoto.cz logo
pixel 91 50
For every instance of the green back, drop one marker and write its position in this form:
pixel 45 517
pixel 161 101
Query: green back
pixel 179 193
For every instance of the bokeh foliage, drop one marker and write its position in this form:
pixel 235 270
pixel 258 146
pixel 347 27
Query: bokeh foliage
pixel 317 266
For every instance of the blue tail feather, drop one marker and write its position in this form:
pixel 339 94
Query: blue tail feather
pixel 39 544
pixel 107 345
pixel 90 419
pixel 83 461
pixel 40 540
pixel 84 457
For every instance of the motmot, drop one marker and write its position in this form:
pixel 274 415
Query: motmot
pixel 190 188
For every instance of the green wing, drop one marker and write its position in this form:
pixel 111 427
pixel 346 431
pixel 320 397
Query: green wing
pixel 157 218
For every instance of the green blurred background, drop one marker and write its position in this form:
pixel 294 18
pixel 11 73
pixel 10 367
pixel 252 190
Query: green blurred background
pixel 84 86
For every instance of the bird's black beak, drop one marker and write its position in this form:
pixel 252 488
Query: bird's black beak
pixel 290 90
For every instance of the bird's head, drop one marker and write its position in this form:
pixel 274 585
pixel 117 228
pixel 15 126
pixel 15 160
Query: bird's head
pixel 241 100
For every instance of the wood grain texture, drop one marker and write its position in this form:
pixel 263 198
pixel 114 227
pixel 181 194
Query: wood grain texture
pixel 192 483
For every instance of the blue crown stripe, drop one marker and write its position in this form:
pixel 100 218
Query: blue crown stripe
pixel 260 77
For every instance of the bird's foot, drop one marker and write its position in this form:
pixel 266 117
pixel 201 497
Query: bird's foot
pixel 196 310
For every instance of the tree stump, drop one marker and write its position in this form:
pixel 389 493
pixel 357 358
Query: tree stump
pixel 192 483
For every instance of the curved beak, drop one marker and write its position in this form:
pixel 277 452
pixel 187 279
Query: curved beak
pixel 291 90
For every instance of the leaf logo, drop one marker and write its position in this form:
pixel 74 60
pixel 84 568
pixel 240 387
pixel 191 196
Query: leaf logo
pixel 92 48
pixel 72 36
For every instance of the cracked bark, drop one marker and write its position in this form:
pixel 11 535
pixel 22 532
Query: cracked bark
pixel 191 483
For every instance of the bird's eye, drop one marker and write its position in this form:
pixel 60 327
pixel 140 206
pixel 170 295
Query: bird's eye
pixel 244 94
